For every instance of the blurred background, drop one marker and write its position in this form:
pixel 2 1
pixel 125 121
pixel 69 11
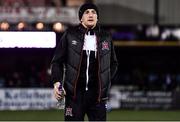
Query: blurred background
pixel 146 35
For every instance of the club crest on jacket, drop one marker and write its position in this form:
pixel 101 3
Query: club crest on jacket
pixel 105 45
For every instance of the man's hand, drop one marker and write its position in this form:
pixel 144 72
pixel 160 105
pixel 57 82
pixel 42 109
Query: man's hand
pixel 57 93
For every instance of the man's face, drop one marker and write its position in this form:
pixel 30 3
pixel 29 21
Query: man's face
pixel 89 18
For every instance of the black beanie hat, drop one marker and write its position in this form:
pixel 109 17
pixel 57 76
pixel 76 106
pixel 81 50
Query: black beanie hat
pixel 86 6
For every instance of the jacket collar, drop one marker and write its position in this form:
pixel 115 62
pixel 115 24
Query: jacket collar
pixel 84 30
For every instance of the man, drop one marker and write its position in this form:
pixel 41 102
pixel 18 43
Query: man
pixel 86 62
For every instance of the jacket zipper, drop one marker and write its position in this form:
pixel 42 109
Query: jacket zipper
pixel 75 81
pixel 99 96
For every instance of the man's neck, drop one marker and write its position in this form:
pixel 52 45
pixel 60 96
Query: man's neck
pixel 88 27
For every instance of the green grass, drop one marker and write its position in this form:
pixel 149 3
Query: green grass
pixel 143 115
pixel 125 115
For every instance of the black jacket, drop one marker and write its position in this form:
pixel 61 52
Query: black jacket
pixel 67 60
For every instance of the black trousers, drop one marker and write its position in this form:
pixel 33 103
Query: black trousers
pixel 85 104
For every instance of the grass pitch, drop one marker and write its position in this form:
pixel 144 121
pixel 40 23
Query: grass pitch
pixel 114 115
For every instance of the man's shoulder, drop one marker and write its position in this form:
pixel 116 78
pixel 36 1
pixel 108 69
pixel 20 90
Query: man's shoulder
pixel 72 29
pixel 104 32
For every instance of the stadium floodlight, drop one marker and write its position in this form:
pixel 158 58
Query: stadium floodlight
pixel 58 27
pixel 4 26
pixel 39 26
pixel 21 26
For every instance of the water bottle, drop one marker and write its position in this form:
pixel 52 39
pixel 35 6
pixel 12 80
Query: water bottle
pixel 108 106
pixel 61 102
